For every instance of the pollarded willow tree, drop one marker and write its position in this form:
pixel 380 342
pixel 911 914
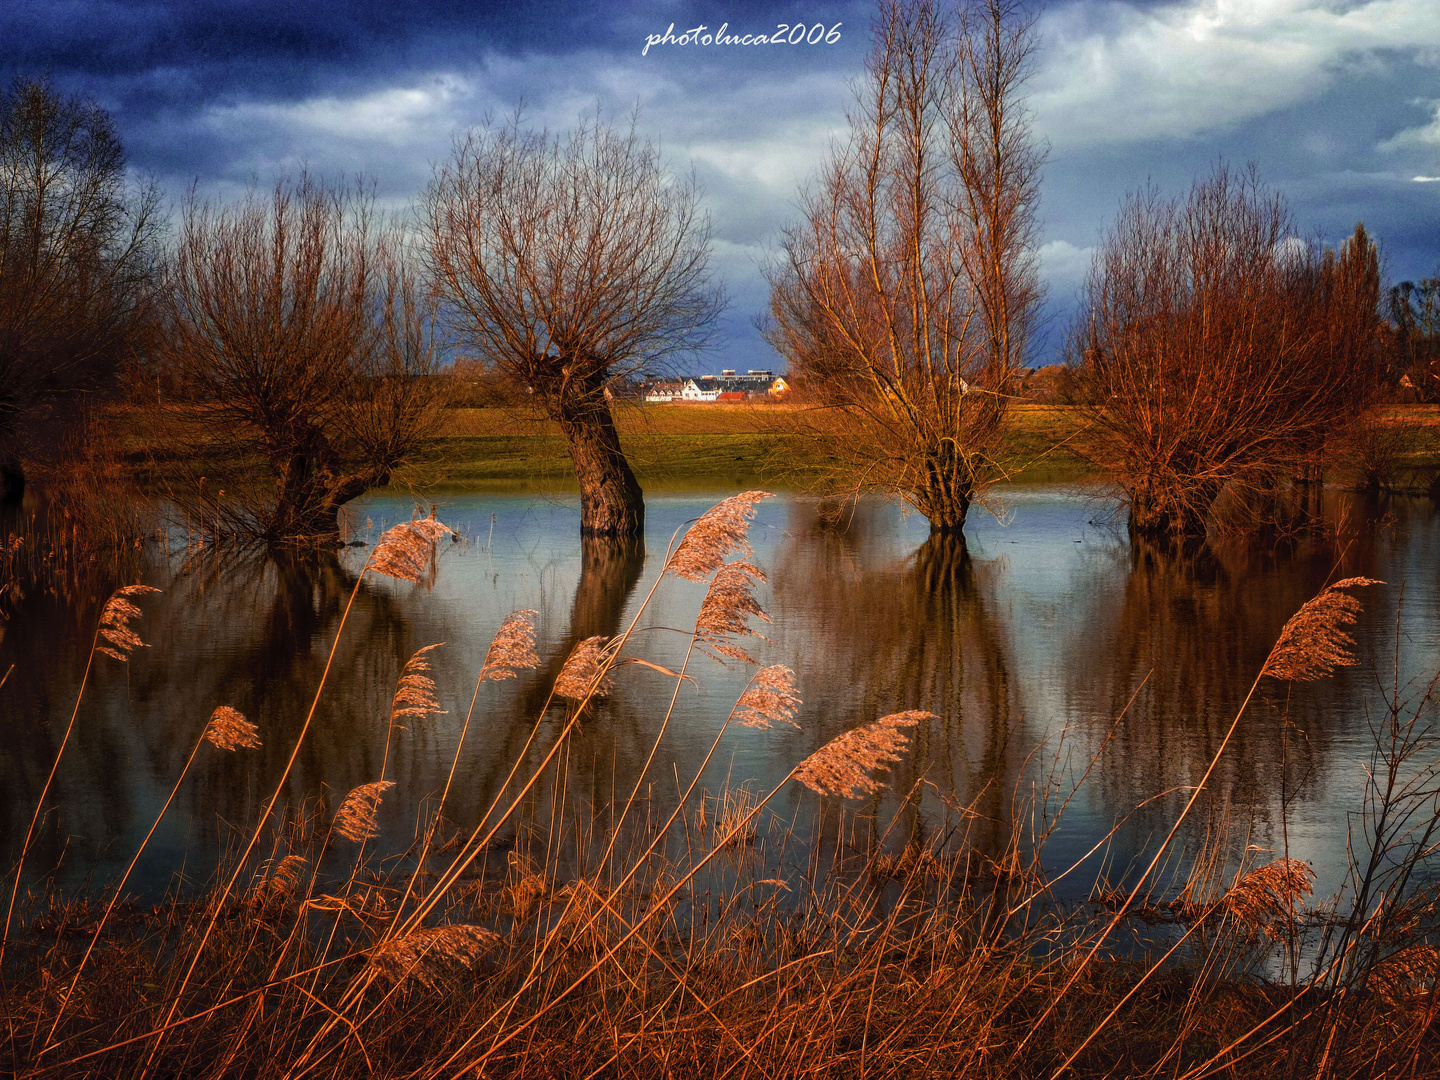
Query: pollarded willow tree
pixel 905 300
pixel 568 263
pixel 299 329
pixel 1217 351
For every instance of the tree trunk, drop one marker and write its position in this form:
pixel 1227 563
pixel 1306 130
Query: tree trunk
pixel 1159 509
pixel 611 502
pixel 12 481
pixel 947 491
pixel 310 491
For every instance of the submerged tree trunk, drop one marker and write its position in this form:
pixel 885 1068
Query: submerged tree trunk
pixel 12 481
pixel 611 502
pixel 948 486
pixel 610 568
pixel 311 488
pixel 1159 509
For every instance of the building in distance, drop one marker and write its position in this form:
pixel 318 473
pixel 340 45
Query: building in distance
pixel 728 386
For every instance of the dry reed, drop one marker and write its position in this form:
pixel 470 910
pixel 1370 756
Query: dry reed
pixel 793 967
pixel 425 955
pixel 845 765
pixel 407 551
pixel 281 883
pixel 355 820
pixel 229 730
pixel 512 648
pixel 584 673
pixel 771 698
pixel 1313 642
pixel 415 690
pixel 729 605
pixel 1265 900
pixel 115 622
pixel 718 532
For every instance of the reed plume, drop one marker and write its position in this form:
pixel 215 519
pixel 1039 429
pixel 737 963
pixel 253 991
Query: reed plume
pixel 719 531
pixel 355 820
pixel 229 730
pixel 1264 900
pixel 115 622
pixel 424 955
pixel 415 691
pixel 770 699
pixel 281 883
pixel 726 612
pixel 1313 643
pixel 844 765
pixel 584 674
pixel 513 647
pixel 407 551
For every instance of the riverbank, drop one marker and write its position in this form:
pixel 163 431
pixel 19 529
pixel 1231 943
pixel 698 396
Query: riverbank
pixel 713 446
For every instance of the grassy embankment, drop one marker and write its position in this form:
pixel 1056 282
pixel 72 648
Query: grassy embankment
pixel 710 447
pixel 703 446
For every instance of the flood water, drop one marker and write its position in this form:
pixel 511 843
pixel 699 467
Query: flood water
pixel 1043 643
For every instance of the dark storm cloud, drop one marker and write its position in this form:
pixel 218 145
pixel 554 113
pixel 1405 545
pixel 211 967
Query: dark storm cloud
pixel 1335 102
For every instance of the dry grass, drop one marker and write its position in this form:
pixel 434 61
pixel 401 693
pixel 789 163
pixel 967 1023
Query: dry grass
pixel 582 935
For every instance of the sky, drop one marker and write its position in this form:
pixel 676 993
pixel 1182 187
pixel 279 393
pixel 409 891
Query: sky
pixel 1336 102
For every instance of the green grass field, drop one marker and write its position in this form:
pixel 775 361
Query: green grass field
pixel 679 447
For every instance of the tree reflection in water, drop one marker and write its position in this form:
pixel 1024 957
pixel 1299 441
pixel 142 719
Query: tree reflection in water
pixel 1194 625
pixel 920 633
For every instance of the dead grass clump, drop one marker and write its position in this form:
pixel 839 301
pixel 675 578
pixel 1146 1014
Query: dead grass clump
pixel 1267 899
pixel 425 956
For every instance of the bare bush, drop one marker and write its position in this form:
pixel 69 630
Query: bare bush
pixel 303 337
pixel 1215 349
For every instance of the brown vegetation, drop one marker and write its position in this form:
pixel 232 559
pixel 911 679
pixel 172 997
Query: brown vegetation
pixel 77 255
pixel 904 301
pixel 1216 352
pixel 302 335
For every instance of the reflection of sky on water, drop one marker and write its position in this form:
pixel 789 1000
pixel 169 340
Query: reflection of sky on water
pixel 1043 626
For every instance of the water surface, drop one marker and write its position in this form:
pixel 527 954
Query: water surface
pixel 1045 643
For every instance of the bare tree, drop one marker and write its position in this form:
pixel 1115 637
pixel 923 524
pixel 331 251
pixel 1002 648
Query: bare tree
pixel 1414 337
pixel 303 336
pixel 569 263
pixel 905 300
pixel 1215 350
pixel 77 255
